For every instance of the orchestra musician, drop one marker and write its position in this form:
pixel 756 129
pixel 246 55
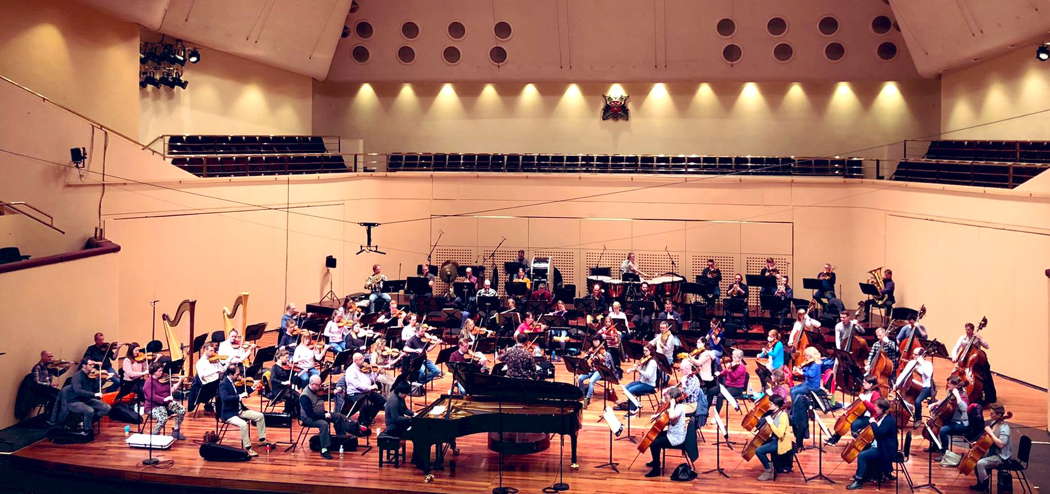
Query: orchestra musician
pixel 630 266
pixel 529 327
pixel 305 359
pixel 883 344
pixel 209 369
pixel 675 434
pixel 869 395
pixel 522 260
pixel 924 367
pixel 518 361
pixel 669 314
pixel 810 371
pixel 738 289
pixel 234 348
pixel 714 339
pixel 42 386
pixel 281 380
pixel 542 294
pixel 463 354
pixel 912 326
pixel 983 371
pixel 409 329
pixel 522 277
pixel 714 277
pixel 104 353
pixel 783 294
pixel 356 385
pixel 826 292
pixel 734 375
pixel 611 335
pixel 616 313
pixel 136 369
pixel 802 323
pixel 313 414
pixel 384 358
pixel 234 412
pixel 336 331
pixel 959 424
pixel 487 290
pixel 159 401
pixel 846 322
pixel 398 416
pixel 769 273
pixel 374 284
pixel 82 397
pixel 288 320
pixel 597 356
pixel 705 370
pixel 876 462
pixel 416 348
pixel 1000 451
pixel 468 274
pixel 665 342
pixel 888 289
pixel 774 355
pixel 646 383
pixel 779 443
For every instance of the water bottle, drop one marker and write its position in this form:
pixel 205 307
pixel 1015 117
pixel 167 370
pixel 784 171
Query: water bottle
pixel 340 450
pixel 127 430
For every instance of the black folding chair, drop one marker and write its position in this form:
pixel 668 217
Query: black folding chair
pixel 1018 464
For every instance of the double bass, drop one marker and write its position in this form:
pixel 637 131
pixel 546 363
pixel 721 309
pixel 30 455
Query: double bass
pixel 972 356
pixel 980 447
pixel 882 369
pixel 911 342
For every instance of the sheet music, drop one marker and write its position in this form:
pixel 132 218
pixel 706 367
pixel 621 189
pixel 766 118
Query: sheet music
pixel 612 420
pixel 719 425
pixel 729 398
pixel 437 410
pixel 823 428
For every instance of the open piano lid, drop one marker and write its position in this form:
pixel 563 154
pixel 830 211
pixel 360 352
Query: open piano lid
pixel 514 389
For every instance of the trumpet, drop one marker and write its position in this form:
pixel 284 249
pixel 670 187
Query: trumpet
pixel 735 289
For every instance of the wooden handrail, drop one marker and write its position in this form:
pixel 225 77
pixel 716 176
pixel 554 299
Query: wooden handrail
pixel 93 247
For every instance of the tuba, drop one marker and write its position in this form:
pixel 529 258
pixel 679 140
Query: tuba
pixel 875 278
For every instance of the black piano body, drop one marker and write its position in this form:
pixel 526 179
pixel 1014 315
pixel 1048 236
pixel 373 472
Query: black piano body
pixel 495 404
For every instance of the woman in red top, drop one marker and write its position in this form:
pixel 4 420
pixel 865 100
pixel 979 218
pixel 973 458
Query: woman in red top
pixel 869 395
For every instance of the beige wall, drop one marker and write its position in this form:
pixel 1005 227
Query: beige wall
pixel 772 118
pixel 74 55
pixel 997 98
pixel 88 290
pixel 227 95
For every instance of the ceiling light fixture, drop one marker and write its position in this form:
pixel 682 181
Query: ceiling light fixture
pixel 1042 53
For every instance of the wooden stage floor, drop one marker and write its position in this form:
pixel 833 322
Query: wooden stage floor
pixel 476 468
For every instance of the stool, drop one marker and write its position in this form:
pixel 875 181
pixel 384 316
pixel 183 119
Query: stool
pixel 391 449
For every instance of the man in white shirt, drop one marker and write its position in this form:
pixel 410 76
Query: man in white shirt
pixel 982 370
pixel 206 382
pixel 845 323
pixel 965 339
pixel 233 348
pixel 410 329
pixel 629 266
pixel 355 386
pixel 665 342
pixel 924 368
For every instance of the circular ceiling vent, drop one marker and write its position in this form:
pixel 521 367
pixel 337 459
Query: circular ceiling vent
pixel 881 24
pixel 406 54
pixel 783 52
pixel 732 53
pixel 777 26
pixel 502 30
pixel 726 27
pixel 410 30
pixel 828 25
pixel 451 55
pixel 887 51
pixel 364 29
pixel 834 51
pixel 498 55
pixel 456 30
pixel 360 54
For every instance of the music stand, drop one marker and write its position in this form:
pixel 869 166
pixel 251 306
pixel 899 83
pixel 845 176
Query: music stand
pixel 394 286
pixel 934 441
pixel 488 303
pixel 517 289
pixel 811 283
pixel 596 271
pixel 609 376
pixel 820 440
pixel 463 289
pixel 757 280
pixel 254 331
pixel 630 277
pixel 417 285
pixel 566 292
pixel 356 408
pixel 511 268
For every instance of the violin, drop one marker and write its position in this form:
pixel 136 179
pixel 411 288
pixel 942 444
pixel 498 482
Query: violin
pixel 218 358
pixel 247 382
pixel 100 374
pixel 59 364
pixel 141 357
pixel 390 352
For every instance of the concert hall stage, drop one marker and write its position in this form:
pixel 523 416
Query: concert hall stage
pixel 109 461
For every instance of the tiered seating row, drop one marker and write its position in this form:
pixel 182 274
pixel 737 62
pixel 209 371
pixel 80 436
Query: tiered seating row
pixel 1007 151
pixel 235 166
pixel 999 175
pixel 642 164
pixel 225 144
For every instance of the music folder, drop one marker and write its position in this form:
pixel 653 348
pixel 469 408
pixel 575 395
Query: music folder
pixel 811 283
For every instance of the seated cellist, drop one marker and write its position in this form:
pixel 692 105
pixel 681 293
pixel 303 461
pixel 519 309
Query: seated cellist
pixel 780 442
pixel 1000 450
pixel 876 462
pixel 869 395
pixel 675 433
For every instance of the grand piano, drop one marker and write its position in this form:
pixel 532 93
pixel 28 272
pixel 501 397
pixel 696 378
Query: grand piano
pixel 495 404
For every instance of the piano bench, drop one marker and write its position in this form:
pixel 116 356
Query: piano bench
pixel 391 449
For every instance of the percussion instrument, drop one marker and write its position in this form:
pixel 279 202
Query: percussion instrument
pixel 669 286
pixel 615 288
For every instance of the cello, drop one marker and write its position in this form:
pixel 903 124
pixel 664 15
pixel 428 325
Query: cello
pixel 860 443
pixel 856 410
pixel 750 421
pixel 941 413
pixel 661 419
pixel 980 447
pixel 764 434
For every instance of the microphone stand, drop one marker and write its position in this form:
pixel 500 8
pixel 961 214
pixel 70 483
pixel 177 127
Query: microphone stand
pixel 674 265
pixel 600 256
pixel 150 460
pixel 501 489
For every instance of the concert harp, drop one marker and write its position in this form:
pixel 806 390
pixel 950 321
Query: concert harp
pixel 228 315
pixel 175 348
